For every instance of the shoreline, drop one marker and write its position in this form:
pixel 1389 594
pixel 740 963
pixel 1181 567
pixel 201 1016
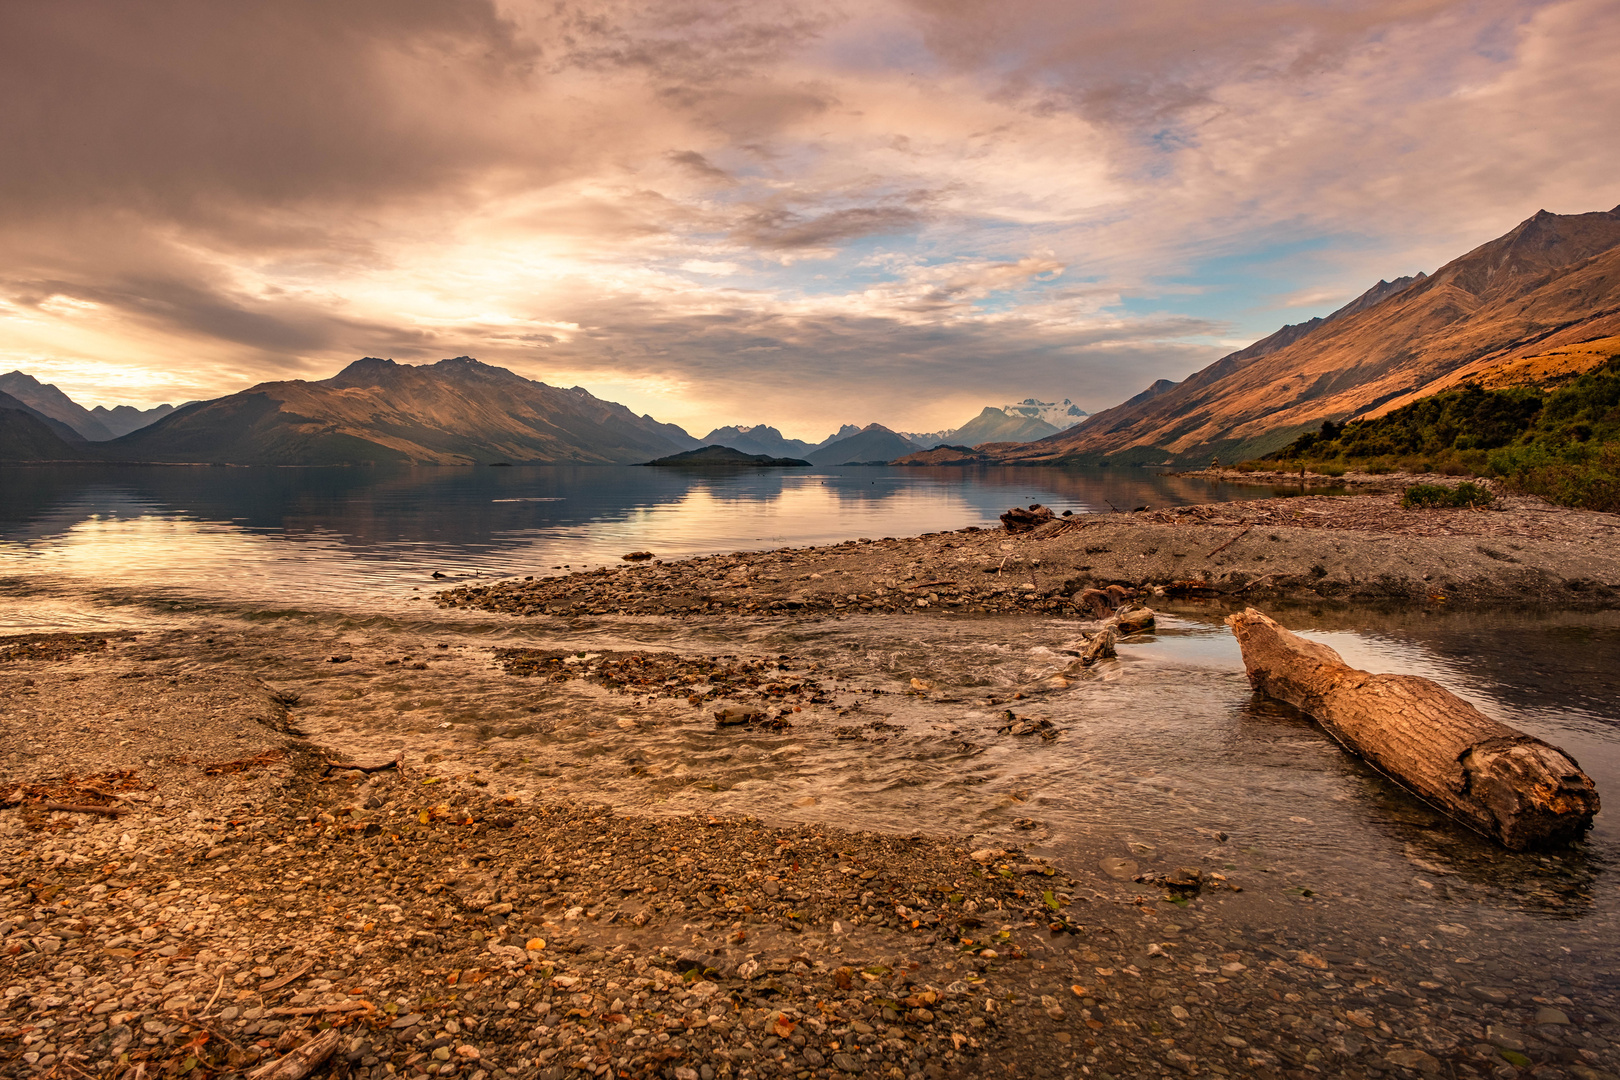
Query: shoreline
pixel 1357 548
pixel 236 895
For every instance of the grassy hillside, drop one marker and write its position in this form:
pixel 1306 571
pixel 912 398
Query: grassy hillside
pixel 1563 444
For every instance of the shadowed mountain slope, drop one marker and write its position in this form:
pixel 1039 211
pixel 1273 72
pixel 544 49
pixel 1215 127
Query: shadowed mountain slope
pixel 47 399
pixel 758 439
pixel 874 442
pixel 454 412
pixel 1553 280
pixel 28 435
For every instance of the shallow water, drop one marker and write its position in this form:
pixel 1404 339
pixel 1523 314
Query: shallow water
pixel 1166 756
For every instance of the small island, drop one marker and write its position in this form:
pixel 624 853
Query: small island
pixel 709 457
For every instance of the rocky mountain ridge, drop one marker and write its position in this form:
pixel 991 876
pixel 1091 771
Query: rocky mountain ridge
pixel 1552 281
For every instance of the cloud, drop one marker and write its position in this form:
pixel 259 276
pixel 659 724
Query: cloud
pixel 729 207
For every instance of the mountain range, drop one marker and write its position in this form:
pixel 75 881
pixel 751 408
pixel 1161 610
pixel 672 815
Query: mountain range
pixel 95 425
pixel 1551 282
pixel 1531 301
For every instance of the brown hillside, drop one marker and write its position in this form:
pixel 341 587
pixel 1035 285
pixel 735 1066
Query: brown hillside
pixel 454 412
pixel 1552 281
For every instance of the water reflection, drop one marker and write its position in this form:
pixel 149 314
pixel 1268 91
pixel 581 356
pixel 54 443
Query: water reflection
pixel 335 537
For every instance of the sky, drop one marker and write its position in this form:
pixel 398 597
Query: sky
pixel 797 213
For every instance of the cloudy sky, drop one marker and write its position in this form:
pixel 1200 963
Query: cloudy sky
pixel 801 213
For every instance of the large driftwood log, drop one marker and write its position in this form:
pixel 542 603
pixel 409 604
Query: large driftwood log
pixel 1495 779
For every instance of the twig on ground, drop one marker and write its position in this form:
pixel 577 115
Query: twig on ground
pixel 1230 542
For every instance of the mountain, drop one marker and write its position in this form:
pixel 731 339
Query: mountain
pixel 123 419
pixel 454 412
pixel 996 425
pixel 47 399
pixel 97 425
pixel 842 433
pixel 725 457
pixel 759 439
pixel 26 434
pixel 1554 280
pixel 1059 414
pixel 872 443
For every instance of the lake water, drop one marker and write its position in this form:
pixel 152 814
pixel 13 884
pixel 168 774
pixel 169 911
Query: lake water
pixel 1165 751
pixel 363 539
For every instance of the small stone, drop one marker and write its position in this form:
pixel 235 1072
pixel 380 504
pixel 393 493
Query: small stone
pixel 1549 1015
pixel 1233 1040
pixel 1414 1059
pixel 845 1062
pixel 1119 869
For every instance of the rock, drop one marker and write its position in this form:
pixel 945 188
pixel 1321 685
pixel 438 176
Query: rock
pixel 1019 520
pixel 1413 1059
pixel 1119 869
pixel 1546 1014
pixel 1135 620
pixel 732 715
pixel 637 556
pixel 1093 603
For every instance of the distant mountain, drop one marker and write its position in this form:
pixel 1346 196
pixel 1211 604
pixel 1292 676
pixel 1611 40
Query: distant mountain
pixel 1553 280
pixel 759 439
pixel 726 457
pixel 868 444
pixel 26 434
pixel 123 419
pixel 1059 414
pixel 97 425
pixel 996 425
pixel 1023 421
pixel 47 399
pixel 842 433
pixel 457 411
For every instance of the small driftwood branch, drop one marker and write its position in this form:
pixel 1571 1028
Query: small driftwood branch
pixel 302 1061
pixel 316 1010
pixel 85 808
pixel 339 766
pixel 277 984
pixel 1230 542
pixel 1495 779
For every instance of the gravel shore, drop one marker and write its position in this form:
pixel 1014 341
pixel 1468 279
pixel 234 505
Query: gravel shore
pixel 1358 548
pixel 225 890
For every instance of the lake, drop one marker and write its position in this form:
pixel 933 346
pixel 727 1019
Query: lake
pixel 365 538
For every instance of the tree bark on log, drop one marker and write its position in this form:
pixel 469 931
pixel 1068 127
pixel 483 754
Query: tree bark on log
pixel 302 1061
pixel 1495 779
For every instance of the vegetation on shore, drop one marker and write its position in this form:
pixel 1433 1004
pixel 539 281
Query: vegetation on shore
pixel 1562 444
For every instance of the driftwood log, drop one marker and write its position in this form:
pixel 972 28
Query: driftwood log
pixel 1495 779
pixel 302 1061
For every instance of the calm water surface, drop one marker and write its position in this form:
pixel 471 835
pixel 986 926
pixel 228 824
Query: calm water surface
pixel 1165 751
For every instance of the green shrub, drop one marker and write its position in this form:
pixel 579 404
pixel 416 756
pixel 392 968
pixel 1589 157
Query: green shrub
pixel 1439 495
pixel 1325 469
pixel 1584 476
